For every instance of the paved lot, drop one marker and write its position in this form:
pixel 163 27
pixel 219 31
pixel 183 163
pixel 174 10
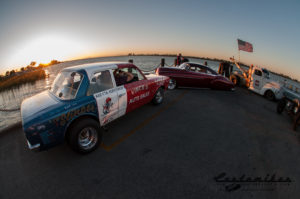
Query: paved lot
pixel 170 151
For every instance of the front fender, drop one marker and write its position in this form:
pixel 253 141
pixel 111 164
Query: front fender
pixel 278 92
pixel 75 119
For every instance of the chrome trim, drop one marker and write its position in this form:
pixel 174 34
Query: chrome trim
pixel 33 147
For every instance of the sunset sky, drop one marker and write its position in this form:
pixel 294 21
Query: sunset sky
pixel 36 30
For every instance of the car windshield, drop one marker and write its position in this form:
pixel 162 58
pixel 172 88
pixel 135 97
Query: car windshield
pixel 66 85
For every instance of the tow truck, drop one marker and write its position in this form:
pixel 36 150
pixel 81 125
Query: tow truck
pixel 257 80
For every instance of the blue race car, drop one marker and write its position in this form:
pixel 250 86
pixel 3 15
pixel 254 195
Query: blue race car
pixel 83 99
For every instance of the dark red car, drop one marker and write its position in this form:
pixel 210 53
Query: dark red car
pixel 194 75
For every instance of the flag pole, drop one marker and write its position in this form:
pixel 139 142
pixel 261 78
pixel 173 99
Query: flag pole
pixel 239 56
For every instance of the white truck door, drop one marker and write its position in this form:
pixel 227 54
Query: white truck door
pixel 256 80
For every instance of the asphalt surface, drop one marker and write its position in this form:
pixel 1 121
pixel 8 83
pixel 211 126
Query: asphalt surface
pixel 175 150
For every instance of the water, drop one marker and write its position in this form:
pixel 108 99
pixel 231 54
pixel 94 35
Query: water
pixel 13 98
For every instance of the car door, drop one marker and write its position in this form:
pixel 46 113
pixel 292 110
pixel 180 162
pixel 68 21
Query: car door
pixel 106 96
pixel 138 92
pixel 256 79
pixel 207 76
pixel 200 77
pixel 186 77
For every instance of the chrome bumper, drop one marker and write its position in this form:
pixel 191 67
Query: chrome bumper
pixel 33 147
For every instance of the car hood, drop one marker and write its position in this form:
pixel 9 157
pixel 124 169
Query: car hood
pixel 37 104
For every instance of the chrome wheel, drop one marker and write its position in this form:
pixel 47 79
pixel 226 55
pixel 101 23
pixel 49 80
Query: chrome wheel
pixel 158 97
pixel 172 84
pixel 87 138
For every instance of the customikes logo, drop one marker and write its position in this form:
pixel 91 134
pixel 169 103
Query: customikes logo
pixel 268 182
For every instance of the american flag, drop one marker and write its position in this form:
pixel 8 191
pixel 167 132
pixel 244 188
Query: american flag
pixel 245 46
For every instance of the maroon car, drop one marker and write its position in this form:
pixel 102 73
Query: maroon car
pixel 194 75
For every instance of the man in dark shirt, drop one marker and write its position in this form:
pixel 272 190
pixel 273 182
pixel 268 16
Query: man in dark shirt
pixel 183 60
pixel 122 77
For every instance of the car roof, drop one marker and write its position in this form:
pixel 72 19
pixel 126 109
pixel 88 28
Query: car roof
pixel 95 67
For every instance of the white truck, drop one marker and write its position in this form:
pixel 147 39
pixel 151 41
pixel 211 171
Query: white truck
pixel 257 80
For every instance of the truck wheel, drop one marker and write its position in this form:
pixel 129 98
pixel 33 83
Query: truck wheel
pixel 158 97
pixel 270 95
pixel 296 121
pixel 85 136
pixel 172 84
pixel 280 106
pixel 235 80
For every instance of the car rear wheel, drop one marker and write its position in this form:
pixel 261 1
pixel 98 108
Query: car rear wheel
pixel 270 95
pixel 172 84
pixel 158 97
pixel 85 136
pixel 280 106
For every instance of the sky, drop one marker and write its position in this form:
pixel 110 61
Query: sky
pixel 37 30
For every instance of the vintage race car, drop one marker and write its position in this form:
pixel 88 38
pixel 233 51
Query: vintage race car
pixel 290 103
pixel 83 99
pixel 194 75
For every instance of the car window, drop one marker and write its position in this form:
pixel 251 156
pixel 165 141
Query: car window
pixel 199 69
pixel 137 76
pixel 100 81
pixel 66 85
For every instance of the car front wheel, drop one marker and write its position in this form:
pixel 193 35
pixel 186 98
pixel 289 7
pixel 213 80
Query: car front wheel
pixel 158 97
pixel 172 84
pixel 270 95
pixel 85 136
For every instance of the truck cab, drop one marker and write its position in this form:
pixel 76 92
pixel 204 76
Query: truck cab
pixel 259 82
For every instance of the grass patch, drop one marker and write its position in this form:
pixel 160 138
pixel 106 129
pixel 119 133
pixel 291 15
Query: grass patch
pixel 24 78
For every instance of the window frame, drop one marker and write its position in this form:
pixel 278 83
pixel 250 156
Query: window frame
pixel 77 90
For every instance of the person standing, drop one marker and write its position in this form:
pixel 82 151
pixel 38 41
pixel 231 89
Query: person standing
pixel 178 59
pixel 183 60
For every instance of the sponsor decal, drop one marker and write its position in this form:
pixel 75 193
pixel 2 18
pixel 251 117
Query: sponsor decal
pixel 256 83
pixel 66 117
pixel 110 91
pixel 139 97
pixel 139 88
pixel 107 105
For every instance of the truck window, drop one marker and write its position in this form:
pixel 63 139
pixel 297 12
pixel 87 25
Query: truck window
pixel 258 72
pixel 100 81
